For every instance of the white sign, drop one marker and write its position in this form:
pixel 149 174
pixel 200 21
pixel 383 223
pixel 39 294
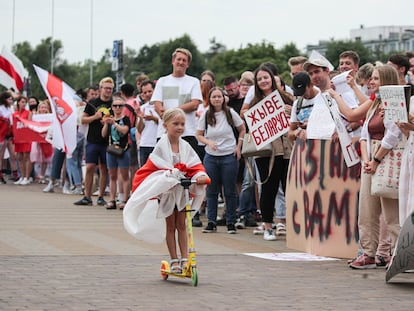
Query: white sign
pixel 341 86
pixel 347 146
pixel 395 103
pixel 267 120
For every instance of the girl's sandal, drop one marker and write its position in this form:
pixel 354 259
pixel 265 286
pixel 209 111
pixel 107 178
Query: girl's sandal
pixel 183 263
pixel 175 266
pixel 111 205
pixel 122 205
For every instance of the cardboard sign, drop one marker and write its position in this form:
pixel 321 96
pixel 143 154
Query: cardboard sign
pixel 322 200
pixel 403 259
pixel 267 120
pixel 396 103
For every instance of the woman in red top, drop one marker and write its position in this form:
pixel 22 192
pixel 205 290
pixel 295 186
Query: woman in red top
pixel 22 149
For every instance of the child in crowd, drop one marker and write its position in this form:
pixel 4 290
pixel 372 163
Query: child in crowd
pixel 42 152
pixel 157 193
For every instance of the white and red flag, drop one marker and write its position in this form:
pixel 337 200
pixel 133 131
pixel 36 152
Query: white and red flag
pixel 26 131
pixel 61 97
pixel 12 71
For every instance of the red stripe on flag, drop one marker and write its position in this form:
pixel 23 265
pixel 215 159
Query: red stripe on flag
pixel 7 67
pixel 54 87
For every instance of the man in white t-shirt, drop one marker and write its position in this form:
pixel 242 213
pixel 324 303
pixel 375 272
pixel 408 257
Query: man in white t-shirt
pixel 179 90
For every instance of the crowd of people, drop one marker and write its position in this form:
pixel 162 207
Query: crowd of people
pixel 133 122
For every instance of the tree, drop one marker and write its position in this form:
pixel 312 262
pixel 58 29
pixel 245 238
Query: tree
pixel 215 49
pixel 40 56
pixel 335 48
pixel 234 62
pixel 163 61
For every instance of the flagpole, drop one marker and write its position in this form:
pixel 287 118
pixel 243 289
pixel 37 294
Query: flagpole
pixel 13 20
pixel 51 43
pixel 91 39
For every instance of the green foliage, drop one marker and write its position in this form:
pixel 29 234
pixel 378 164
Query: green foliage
pixel 335 48
pixel 235 62
pixel 155 60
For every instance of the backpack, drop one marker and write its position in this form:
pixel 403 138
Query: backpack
pixel 129 107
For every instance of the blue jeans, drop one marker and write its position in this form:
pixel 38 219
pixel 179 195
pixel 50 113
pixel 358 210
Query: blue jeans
pixel 222 171
pixel 280 203
pixel 57 164
pixel 247 198
pixel 74 164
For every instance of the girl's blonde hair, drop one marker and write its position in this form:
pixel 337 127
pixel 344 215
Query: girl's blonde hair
pixel 388 75
pixel 171 114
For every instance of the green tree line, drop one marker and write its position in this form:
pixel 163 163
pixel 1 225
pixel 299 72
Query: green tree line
pixel 155 60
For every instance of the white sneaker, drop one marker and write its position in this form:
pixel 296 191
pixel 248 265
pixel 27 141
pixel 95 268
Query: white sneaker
pixel 66 189
pixel 25 182
pixel 269 235
pixel 77 190
pixel 280 229
pixel 259 230
pixel 18 182
pixel 49 187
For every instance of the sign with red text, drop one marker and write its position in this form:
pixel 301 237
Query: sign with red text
pixel 396 99
pixel 267 120
pixel 322 197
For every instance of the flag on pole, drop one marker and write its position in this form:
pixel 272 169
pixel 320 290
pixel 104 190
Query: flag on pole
pixel 61 98
pixel 12 71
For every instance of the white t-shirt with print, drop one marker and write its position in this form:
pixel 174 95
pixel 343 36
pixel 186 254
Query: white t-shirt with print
pixel 174 92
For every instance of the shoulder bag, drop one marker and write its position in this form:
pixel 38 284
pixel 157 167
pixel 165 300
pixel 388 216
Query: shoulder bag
pixel 385 180
pixel 249 150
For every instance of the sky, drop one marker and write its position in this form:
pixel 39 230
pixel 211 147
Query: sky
pixel 86 33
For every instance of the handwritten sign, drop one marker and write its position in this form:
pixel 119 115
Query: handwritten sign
pixel 395 103
pixel 351 156
pixel 267 120
pixel 404 250
pixel 322 200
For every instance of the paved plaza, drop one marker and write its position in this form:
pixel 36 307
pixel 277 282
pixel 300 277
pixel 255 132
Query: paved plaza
pixel 58 256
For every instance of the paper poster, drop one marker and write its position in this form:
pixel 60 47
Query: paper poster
pixel 267 120
pixel 351 156
pixel 341 86
pixel 395 103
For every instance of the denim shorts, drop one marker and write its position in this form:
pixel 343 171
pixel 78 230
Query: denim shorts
pixel 118 162
pixel 95 153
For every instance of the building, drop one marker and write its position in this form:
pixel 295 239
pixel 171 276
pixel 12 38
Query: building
pixel 379 39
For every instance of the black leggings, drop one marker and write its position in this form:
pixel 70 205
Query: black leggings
pixel 270 188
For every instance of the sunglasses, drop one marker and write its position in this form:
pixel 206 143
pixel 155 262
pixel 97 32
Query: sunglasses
pixel 117 106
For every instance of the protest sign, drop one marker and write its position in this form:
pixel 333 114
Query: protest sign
pixel 351 156
pixel 267 120
pixel 403 259
pixel 322 196
pixel 395 101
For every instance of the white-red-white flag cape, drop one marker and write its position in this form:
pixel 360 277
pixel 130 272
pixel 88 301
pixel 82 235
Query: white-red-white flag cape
pixel 144 216
pixel 12 71
pixel 61 97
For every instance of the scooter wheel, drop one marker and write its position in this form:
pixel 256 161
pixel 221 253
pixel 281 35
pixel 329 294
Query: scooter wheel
pixel 164 267
pixel 194 276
